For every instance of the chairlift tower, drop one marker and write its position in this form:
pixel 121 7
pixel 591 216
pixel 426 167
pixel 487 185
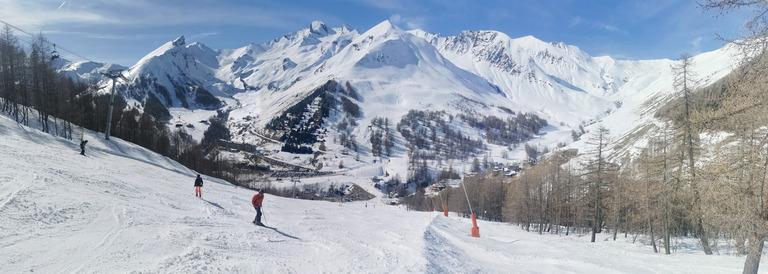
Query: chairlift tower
pixel 294 180
pixel 113 74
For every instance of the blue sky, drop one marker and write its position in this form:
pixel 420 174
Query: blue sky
pixel 123 31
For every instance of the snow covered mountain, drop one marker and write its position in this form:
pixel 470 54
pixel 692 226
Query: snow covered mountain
pixel 178 74
pixel 568 87
pixel 87 71
pixel 387 72
pixel 553 79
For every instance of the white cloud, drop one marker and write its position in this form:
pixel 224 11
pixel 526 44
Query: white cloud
pixel 579 21
pixel 395 18
pixel 608 27
pixel 642 10
pixel 200 36
pixel 103 36
pixel 34 15
pixel 696 42
pixel 407 22
pixel 390 5
pixel 575 21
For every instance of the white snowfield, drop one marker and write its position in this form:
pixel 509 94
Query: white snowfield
pixel 123 209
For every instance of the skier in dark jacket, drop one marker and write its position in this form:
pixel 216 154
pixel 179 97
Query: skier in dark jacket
pixel 198 186
pixel 256 202
pixel 82 147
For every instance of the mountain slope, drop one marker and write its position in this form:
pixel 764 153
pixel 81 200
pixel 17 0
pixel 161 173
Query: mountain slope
pixel 125 209
pixel 179 75
pixel 88 71
pixel 280 63
pixel 565 85
pixel 633 124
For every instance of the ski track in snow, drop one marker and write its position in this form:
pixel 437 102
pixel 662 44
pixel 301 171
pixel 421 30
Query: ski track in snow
pixel 106 241
pixel 16 184
pixel 122 209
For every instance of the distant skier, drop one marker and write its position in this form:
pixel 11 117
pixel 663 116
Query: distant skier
pixel 256 202
pixel 198 186
pixel 82 147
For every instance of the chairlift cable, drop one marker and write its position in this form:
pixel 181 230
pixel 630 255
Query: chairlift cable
pixel 49 42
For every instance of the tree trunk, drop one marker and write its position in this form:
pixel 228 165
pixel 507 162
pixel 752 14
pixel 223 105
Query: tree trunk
pixel 616 227
pixel 595 221
pixel 756 242
pixel 594 231
pixel 617 212
pixel 653 241
pixel 703 238
pixel 648 211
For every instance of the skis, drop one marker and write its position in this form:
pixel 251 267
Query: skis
pixel 262 225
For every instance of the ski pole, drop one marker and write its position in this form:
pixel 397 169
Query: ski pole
pixel 264 215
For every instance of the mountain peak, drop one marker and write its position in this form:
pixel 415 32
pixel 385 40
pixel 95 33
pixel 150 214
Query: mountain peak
pixel 345 28
pixel 179 41
pixel 386 24
pixel 318 27
pixel 530 41
pixel 383 29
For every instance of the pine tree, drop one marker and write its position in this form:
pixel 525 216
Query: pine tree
pixel 597 169
pixel 42 77
pixel 10 68
pixel 685 82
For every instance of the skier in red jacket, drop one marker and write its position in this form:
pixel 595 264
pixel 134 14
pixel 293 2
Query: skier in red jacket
pixel 256 202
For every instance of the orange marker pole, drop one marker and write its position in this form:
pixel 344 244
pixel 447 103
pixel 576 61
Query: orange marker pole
pixel 445 211
pixel 475 229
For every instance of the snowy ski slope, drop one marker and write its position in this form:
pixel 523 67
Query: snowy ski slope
pixel 123 209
